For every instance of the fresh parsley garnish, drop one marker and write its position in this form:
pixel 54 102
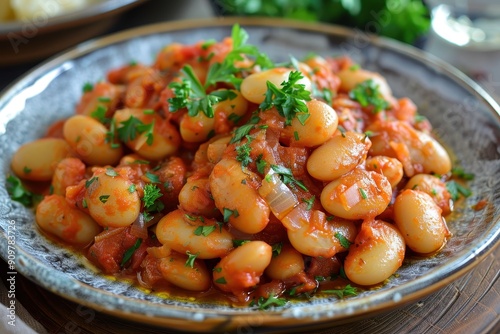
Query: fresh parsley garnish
pixel 104 198
pixel 19 193
pixel 341 293
pixel 227 213
pixel 191 94
pixel 204 230
pixel 287 176
pixel 243 152
pixel 129 129
pixel 343 240
pixel 276 248
pixel 151 198
pixel 129 252
pixel 460 173
pixel 309 201
pixel 265 303
pixel 456 189
pixel 190 260
pixel 261 164
pixel 367 93
pixel 290 100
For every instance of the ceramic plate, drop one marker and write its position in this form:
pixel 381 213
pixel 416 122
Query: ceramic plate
pixel 465 118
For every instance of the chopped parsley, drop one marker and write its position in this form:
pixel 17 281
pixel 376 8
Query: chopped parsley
pixel 111 172
pixel 221 280
pixel 237 243
pixel 87 87
pixel 363 194
pixel 276 248
pixel 341 293
pixel 460 173
pixel 261 164
pixel 309 201
pixel 367 93
pixel 244 130
pixel 265 303
pixel 190 260
pixel 228 213
pixel 104 198
pixel 152 197
pixel 191 94
pixel 153 178
pixel 243 152
pixel 89 182
pixel 343 240
pixel 129 129
pixel 100 114
pixel 130 252
pixel 19 193
pixel 456 189
pixel 204 230
pixel 287 176
pixel 290 100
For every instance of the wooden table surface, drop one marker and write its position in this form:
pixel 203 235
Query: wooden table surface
pixel 469 305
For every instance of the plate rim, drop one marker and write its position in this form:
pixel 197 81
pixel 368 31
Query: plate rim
pixel 465 263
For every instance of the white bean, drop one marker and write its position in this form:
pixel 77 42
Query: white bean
pixel 339 155
pixel 55 216
pixel 241 269
pixel 419 219
pixel 184 232
pixel 231 191
pixel 111 200
pixel 90 140
pixel 360 194
pixel 378 251
pixel 175 270
pixel 38 159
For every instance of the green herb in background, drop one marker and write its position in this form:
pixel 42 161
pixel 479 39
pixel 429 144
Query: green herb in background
pixel 404 20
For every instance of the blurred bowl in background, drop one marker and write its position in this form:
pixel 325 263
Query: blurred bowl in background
pixel 23 41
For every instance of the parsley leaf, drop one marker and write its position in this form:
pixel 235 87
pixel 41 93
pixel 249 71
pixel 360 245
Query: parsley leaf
pixel 263 303
pixel 287 176
pixel 204 230
pixel 190 94
pixel 460 173
pixel 190 259
pixel 19 193
pixel 344 242
pixel 367 93
pixel 228 213
pixel 290 100
pixel 151 198
pixel 129 252
pixel 455 189
pixel 261 164
pixel 243 152
pixel 341 293
pixel 129 129
pixel 309 201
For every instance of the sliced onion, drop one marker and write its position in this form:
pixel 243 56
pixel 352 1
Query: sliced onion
pixel 142 282
pixel 159 252
pixel 297 218
pixel 351 196
pixel 109 233
pixel 138 228
pixel 278 196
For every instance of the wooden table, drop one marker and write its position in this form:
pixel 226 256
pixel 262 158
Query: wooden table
pixel 469 305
